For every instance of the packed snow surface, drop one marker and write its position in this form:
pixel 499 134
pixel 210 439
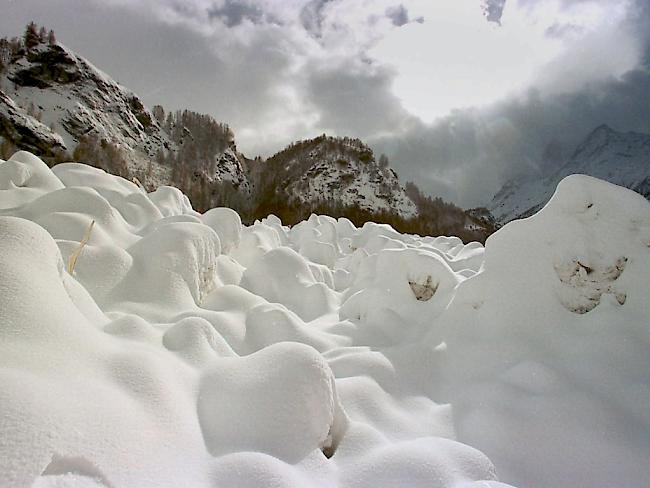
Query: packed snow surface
pixel 182 349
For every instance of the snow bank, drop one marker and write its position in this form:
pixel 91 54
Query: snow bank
pixel 188 350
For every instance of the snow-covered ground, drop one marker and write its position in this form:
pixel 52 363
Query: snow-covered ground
pixel 178 349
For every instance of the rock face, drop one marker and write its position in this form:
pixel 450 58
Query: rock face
pixel 622 158
pixel 54 100
pixel 341 169
pixel 68 93
pixel 24 130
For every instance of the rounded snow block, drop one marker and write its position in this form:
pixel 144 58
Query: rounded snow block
pixel 425 462
pixel 195 340
pixel 280 401
pixel 23 178
pixel 173 263
pixel 125 196
pixel 171 201
pixel 254 469
pixel 270 323
pixel 319 253
pixel 227 224
pixel 67 213
pixel 411 283
pixel 100 269
pixel 283 276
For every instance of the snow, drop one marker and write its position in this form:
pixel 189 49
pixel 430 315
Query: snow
pixel 190 350
pixel 14 116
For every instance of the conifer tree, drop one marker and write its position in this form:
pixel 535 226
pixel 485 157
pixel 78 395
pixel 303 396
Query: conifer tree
pixel 31 37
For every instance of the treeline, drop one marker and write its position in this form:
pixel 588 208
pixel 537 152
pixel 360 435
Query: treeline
pixel 103 154
pixel 436 218
pixel 199 146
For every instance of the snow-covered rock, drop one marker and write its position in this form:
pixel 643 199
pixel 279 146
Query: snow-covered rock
pixel 145 344
pixel 23 129
pixel 76 99
pixel 341 170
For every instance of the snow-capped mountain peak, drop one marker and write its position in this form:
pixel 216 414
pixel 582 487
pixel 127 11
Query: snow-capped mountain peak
pixel 622 158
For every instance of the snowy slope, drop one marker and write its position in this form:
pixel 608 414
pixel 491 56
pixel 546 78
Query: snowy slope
pixel 621 158
pixel 228 168
pixel 76 99
pixel 343 170
pixel 184 349
pixel 73 99
pixel 26 130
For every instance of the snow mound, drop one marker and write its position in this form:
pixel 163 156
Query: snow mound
pixel 144 344
pixel 547 346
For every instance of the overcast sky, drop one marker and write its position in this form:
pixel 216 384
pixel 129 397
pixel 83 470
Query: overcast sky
pixel 460 94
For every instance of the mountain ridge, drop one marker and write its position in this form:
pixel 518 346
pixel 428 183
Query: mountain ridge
pixel 622 158
pixel 58 105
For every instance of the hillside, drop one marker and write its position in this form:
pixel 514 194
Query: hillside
pixel 340 169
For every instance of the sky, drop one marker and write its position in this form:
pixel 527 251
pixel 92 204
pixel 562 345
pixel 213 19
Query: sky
pixel 461 95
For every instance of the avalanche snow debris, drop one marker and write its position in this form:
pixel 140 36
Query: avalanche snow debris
pixel 190 350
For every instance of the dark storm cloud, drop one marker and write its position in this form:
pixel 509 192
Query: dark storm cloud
pixel 399 15
pixel 493 9
pixel 311 16
pixel 563 30
pixel 466 156
pixel 233 12
pixel 354 99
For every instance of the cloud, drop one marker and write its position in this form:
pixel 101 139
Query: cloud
pixel 466 156
pixel 354 98
pixel 460 95
pixel 493 9
pixel 233 12
pixel 399 15
pixel 469 62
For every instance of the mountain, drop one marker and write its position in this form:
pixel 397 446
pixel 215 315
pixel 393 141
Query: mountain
pixel 59 106
pixel 334 168
pixel 76 100
pixel 622 158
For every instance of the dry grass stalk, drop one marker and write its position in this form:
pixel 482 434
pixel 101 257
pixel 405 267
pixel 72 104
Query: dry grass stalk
pixel 138 183
pixel 75 255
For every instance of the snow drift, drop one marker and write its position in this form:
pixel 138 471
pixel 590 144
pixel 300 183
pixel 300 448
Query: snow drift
pixel 189 350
